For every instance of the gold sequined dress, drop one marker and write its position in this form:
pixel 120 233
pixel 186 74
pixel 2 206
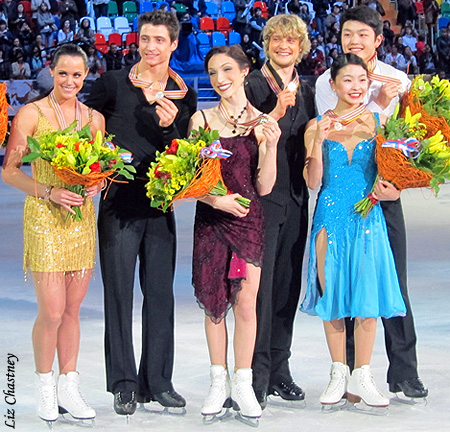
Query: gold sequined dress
pixel 52 243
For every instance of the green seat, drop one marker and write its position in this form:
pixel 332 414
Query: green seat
pixel 180 8
pixel 113 11
pixel 129 7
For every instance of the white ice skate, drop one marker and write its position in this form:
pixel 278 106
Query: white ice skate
pixel 216 405
pixel 361 386
pixel 46 405
pixel 332 398
pixel 70 399
pixel 244 399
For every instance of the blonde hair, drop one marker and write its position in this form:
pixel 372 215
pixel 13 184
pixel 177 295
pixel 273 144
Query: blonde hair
pixel 287 25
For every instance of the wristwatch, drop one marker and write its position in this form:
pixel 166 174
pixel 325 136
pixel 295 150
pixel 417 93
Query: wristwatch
pixel 48 191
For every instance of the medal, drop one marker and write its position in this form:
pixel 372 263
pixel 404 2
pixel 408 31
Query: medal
pixel 263 120
pixel 338 126
pixel 159 95
pixel 292 86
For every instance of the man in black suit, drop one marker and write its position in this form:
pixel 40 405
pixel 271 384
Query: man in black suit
pixel 145 106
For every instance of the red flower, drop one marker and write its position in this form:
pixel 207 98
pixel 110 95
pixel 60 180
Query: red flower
pixel 112 162
pixel 161 174
pixel 60 145
pixel 173 147
pixel 95 167
pixel 77 146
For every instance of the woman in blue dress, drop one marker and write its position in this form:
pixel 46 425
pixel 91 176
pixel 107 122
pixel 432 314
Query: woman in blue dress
pixel 351 269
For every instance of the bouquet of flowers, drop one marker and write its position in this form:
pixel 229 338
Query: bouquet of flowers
pixel 79 160
pixel 412 148
pixel 3 114
pixel 188 168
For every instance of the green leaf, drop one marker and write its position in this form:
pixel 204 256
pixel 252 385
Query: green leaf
pixel 33 144
pixel 31 157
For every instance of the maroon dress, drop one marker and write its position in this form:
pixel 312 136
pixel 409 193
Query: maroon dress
pixel 220 237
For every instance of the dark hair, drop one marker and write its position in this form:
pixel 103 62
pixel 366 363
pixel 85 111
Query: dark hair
pixel 84 20
pixel 160 17
pixel 69 50
pixel 234 51
pixel 366 15
pixel 343 60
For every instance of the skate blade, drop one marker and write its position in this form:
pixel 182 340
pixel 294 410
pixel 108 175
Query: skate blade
pixel 331 408
pixel 249 421
pixel 212 418
pixel 363 408
pixel 49 423
pixel 285 403
pixel 69 419
pixel 172 411
pixel 402 399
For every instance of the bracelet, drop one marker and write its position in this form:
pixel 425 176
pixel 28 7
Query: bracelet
pixel 48 191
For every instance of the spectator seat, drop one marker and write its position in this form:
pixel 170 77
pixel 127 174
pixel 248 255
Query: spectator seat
pixel 145 6
pixel 223 26
pixel 234 38
pixel 263 6
pixel 131 38
pixel 212 9
pixel 115 38
pixel 218 39
pixel 121 25
pixel 207 24
pixel 228 10
pixel 104 26
pixel 204 44
pixel 100 43
pixel 113 11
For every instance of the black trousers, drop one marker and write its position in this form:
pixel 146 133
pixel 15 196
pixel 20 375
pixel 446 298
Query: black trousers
pixel 399 332
pixel 279 291
pixel 121 242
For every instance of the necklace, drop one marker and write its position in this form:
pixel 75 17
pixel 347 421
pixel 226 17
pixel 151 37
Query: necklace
pixel 53 102
pixel 236 119
pixel 262 118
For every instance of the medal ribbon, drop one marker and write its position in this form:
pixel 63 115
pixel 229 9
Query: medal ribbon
pixel 215 150
pixel 169 94
pixel 59 114
pixel 248 124
pixel 371 64
pixel 347 118
pixel 409 146
pixel 268 75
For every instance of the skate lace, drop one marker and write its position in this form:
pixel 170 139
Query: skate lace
pixel 47 397
pixel 246 394
pixel 372 387
pixel 336 379
pixel 74 393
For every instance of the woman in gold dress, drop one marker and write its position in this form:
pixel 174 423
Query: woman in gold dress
pixel 58 250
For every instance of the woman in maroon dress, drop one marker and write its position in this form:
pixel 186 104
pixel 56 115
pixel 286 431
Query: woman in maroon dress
pixel 228 238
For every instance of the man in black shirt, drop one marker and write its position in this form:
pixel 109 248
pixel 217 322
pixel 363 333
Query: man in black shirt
pixel 277 90
pixel 145 107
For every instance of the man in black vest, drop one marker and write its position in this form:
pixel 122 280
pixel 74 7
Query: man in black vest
pixel 277 90
pixel 145 107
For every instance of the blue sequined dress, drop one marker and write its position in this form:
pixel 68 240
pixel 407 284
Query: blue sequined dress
pixel 360 276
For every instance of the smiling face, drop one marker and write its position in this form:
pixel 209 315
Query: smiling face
pixel 351 84
pixel 283 50
pixel 225 75
pixel 155 46
pixel 69 74
pixel 359 38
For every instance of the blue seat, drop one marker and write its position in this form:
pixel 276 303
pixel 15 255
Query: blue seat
pixel 104 26
pixel 228 10
pixel 145 6
pixel 204 44
pixel 218 39
pixel 135 24
pixel 234 38
pixel 212 9
pixel 443 22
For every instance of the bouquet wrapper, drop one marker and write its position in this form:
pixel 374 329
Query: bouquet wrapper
pixel 238 267
pixel 432 123
pixel 395 167
pixel 73 178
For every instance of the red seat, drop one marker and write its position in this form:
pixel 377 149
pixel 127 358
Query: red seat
pixel 262 5
pixel 115 38
pixel 100 43
pixel 131 38
pixel 27 8
pixel 207 24
pixel 420 10
pixel 223 26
